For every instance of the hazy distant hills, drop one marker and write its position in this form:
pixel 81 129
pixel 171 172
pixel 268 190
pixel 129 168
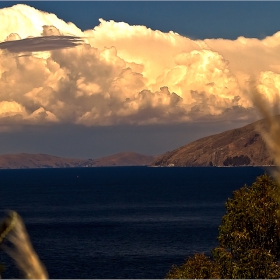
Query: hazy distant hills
pixel 124 159
pixel 23 160
pixel 236 147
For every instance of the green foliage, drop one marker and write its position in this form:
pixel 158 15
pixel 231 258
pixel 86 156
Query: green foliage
pixel 223 260
pixel 237 161
pixel 249 238
pixel 199 267
pixel 251 220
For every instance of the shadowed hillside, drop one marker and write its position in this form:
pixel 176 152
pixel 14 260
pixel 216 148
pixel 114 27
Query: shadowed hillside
pixel 236 147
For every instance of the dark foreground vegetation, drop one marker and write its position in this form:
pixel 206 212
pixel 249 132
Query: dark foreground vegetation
pixel 249 238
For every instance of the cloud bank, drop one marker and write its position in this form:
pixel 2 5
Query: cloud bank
pixel 53 72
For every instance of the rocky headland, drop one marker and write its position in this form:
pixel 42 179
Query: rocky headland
pixel 237 147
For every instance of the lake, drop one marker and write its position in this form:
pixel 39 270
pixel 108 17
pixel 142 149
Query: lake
pixel 119 222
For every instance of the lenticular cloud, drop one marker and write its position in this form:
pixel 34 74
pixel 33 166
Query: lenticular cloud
pixel 53 72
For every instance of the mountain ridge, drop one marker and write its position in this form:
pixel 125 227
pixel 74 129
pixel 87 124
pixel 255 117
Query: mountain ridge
pixel 27 160
pixel 235 147
pixel 242 146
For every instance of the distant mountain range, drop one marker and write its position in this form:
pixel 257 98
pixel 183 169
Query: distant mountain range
pixel 236 147
pixel 23 160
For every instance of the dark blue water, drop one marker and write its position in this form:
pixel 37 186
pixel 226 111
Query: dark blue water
pixel 119 222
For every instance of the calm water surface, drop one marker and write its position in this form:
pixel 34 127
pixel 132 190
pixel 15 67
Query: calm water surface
pixel 119 222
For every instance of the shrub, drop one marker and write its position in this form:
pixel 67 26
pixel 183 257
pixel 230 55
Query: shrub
pixel 249 238
pixel 199 266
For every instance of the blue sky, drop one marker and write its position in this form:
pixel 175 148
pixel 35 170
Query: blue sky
pixel 192 19
pixel 195 19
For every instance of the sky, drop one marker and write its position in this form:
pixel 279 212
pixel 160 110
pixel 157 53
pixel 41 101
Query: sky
pixel 95 78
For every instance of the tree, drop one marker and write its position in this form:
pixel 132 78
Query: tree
pixel 249 237
pixel 197 267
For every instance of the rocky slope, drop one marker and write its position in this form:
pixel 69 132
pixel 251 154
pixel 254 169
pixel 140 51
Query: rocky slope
pixel 236 147
pixel 23 160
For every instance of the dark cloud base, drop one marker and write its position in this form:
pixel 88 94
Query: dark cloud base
pixel 44 43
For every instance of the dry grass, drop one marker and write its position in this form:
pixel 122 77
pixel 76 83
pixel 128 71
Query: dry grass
pixel 271 132
pixel 20 248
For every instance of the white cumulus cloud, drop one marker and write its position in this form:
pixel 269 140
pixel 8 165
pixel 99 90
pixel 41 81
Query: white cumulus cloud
pixel 115 73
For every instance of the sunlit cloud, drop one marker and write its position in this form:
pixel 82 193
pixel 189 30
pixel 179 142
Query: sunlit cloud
pixel 115 73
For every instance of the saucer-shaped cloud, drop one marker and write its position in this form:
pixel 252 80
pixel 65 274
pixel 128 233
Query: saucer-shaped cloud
pixel 39 44
pixel 115 73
